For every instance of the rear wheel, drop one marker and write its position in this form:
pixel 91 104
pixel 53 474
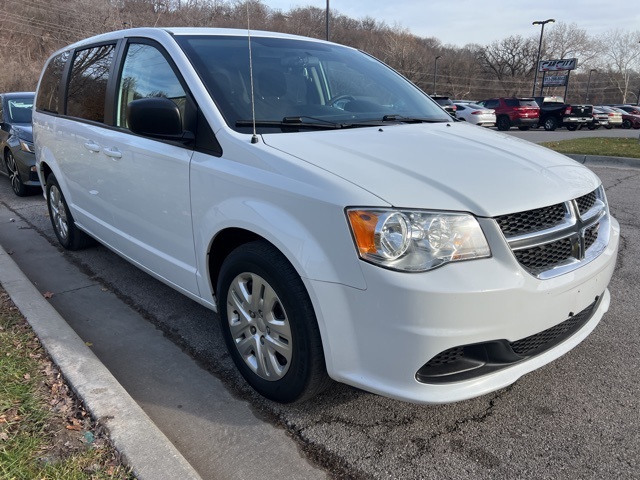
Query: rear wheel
pixel 503 123
pixel 572 128
pixel 524 128
pixel 269 324
pixel 69 236
pixel 550 124
pixel 626 124
pixel 18 187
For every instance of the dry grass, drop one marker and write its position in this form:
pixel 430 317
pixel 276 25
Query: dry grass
pixel 45 431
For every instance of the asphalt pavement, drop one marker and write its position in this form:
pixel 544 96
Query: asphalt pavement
pixel 169 417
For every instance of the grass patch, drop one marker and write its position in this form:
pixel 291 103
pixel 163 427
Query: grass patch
pixel 45 432
pixel 609 147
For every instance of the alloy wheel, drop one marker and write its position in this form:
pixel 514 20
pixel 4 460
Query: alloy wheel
pixel 58 212
pixel 259 326
pixel 14 174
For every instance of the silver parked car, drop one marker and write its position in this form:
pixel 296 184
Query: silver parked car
pixel 476 114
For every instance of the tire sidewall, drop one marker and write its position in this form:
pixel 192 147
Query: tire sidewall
pixel 297 305
pixel 53 182
pixel 503 123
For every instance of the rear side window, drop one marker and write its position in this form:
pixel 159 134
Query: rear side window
pixel 88 83
pixel 49 91
pixel 512 102
pixel 147 73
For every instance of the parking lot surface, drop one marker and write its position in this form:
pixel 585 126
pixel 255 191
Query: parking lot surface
pixel 574 418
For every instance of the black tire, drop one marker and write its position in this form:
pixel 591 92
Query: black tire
pixel 608 127
pixel 572 128
pixel 18 187
pixel 69 236
pixel 591 126
pixel 626 124
pixel 503 123
pixel 550 124
pixel 286 367
pixel 524 128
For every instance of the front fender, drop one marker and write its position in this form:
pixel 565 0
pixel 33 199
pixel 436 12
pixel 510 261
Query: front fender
pixel 318 245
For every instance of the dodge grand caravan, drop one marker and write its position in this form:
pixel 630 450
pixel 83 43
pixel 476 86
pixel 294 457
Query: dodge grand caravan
pixel 336 218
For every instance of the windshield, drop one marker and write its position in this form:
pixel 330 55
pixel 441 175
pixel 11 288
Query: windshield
pixel 303 82
pixel 20 109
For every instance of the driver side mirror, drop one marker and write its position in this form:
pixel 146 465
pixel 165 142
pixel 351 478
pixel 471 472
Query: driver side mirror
pixel 157 117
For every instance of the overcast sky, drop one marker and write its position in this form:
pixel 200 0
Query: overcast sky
pixel 460 22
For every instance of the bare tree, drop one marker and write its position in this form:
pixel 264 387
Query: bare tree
pixel 510 61
pixel 621 58
pixel 569 41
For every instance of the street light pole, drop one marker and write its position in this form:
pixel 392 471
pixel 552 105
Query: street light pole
pixel 586 97
pixel 327 21
pixel 535 78
pixel 435 73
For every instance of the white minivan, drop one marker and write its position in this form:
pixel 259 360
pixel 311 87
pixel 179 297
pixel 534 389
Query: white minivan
pixel 340 222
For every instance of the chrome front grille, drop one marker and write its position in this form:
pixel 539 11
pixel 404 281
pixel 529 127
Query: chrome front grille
pixel 553 240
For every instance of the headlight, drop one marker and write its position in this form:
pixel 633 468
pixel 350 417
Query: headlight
pixel 26 146
pixel 416 240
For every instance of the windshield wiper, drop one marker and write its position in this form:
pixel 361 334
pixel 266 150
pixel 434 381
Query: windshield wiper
pixel 291 122
pixel 401 118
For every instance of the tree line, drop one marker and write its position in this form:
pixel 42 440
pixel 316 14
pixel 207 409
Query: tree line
pixel 608 68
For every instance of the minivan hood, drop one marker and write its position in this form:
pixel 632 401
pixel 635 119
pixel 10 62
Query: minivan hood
pixel 444 166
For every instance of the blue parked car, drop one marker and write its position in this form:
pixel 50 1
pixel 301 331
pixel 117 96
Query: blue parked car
pixel 16 142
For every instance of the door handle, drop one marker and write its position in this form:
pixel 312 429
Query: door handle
pixel 112 152
pixel 92 146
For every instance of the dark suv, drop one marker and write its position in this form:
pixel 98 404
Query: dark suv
pixel 514 112
pixel 446 103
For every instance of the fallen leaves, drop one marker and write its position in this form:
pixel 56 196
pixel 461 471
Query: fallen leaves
pixel 47 295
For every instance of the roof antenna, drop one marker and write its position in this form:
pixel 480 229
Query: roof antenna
pixel 254 137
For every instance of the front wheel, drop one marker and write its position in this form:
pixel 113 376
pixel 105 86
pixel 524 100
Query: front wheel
pixel 69 236
pixel 626 124
pixel 269 324
pixel 18 187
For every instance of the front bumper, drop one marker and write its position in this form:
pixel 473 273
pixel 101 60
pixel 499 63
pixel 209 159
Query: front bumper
pixel 378 339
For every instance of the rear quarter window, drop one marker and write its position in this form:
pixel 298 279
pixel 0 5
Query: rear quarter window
pixel 88 83
pixel 49 91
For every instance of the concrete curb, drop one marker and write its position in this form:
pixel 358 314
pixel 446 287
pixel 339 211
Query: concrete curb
pixel 625 162
pixel 142 445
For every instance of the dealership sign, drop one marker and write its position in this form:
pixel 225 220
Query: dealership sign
pixel 557 65
pixel 555 80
